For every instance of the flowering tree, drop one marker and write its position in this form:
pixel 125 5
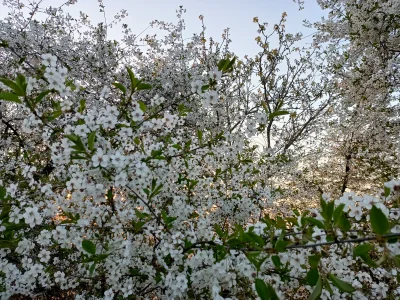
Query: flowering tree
pixel 131 174
pixel 362 38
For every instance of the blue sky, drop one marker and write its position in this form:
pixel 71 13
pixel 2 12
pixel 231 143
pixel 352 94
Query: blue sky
pixel 218 14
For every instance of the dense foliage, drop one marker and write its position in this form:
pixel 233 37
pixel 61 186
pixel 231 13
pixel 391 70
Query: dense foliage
pixel 132 172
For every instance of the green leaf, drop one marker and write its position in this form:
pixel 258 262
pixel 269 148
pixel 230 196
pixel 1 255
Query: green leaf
pixel 92 268
pixel 101 257
pixel 315 222
pixel 200 136
pixel 341 285
pixel 325 283
pixel 312 276
pixel 3 192
pixel 343 223
pixel 338 213
pixel 396 260
pixel 77 141
pixel 12 85
pixel 369 261
pixel 91 139
pixel 21 82
pixel 205 87
pixel 219 231
pixel 277 113
pixel 10 97
pixel 379 222
pixel 234 242
pixel 228 67
pixel 313 260
pixel 322 203
pixel 272 293
pixel 72 137
pixel 54 115
pixel 95 258
pixel 256 238
pixel 362 249
pixel 281 245
pixel 142 106
pixel 265 291
pixel 317 290
pixel 330 206
pixel 132 78
pixel 40 97
pixel 120 87
pixel 387 191
pixel 82 105
pixel 262 289
pixel 5 244
pixel 143 86
pixel 89 246
pixel 221 64
pixel 276 261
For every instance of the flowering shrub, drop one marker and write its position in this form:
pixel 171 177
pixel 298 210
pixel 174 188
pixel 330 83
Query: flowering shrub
pixel 139 180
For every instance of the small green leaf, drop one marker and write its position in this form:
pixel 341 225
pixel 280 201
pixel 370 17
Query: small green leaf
pixel 326 284
pixel 341 285
pixel 256 238
pixel 228 67
pixel 234 243
pixel 329 211
pixel 77 141
pixel 21 82
pixel 281 245
pixel 143 86
pixel 362 249
pixel 262 289
pixel 54 115
pixel 276 261
pixel 272 293
pixel 40 97
pixel 379 222
pixel 120 87
pixel 396 260
pixel 82 105
pixel 136 140
pixel 205 87
pixel 387 191
pixel 313 260
pixel 89 246
pixel 142 106
pixel 92 268
pixel 3 193
pixel 317 290
pixel 91 139
pixel 312 276
pixel 315 222
pixel 343 223
pixel 132 78
pixel 10 97
pixel 200 135
pixel 12 85
pixel 219 231
pixel 221 64
pixel 338 212
pixel 277 113
pixel 72 137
